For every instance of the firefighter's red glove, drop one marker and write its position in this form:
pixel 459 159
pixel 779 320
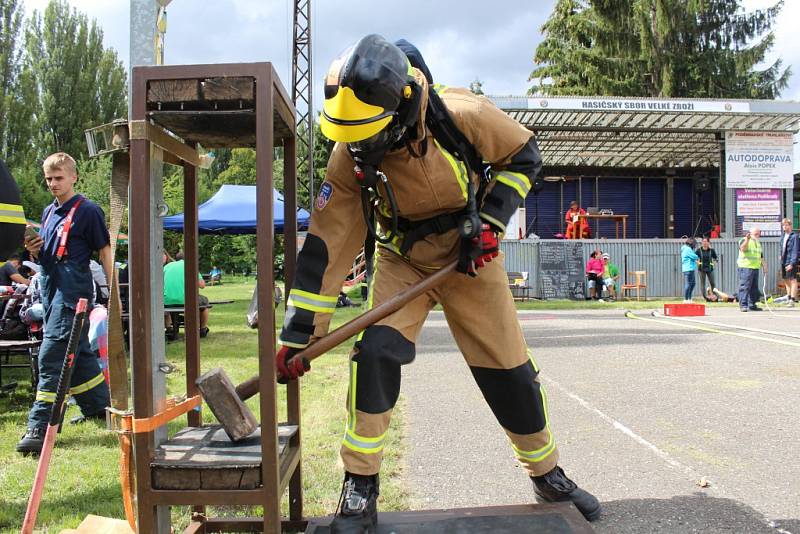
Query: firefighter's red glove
pixel 288 367
pixel 487 244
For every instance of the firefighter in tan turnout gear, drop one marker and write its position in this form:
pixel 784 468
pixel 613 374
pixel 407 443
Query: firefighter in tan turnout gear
pixel 440 171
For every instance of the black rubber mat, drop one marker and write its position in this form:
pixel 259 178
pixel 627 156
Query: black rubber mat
pixel 537 519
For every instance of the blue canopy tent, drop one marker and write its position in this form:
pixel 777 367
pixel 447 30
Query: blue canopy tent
pixel 232 210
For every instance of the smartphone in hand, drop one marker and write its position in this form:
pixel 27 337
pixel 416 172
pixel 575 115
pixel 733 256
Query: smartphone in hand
pixel 30 233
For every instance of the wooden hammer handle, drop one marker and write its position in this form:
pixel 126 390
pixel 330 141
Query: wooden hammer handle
pixel 248 388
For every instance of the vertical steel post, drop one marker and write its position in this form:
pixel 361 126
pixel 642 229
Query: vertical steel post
pixel 147 280
pixel 302 88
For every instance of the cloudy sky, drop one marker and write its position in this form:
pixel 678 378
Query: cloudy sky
pixel 461 39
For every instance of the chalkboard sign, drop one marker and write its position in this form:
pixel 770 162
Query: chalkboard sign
pixel 561 270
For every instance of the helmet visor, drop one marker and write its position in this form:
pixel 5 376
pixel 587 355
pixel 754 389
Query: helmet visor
pixel 345 118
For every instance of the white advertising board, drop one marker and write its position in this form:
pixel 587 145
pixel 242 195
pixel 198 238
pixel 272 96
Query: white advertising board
pixel 638 104
pixel 759 160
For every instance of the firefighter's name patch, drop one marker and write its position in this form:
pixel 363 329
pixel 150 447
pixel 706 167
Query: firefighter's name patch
pixel 325 194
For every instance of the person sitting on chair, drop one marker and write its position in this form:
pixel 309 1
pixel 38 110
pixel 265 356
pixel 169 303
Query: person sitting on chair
pixel 575 222
pixel 174 294
pixel 594 274
pixel 610 276
pixel 215 276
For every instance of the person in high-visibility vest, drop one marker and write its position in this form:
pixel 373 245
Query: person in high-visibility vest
pixel 749 263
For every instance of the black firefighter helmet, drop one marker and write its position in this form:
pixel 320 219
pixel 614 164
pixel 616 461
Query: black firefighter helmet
pixel 369 95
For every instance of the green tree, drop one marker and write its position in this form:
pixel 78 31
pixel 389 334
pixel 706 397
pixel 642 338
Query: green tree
pixel 10 24
pixel 665 48
pixel 78 83
pixel 33 192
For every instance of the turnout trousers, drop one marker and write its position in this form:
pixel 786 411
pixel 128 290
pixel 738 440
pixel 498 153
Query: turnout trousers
pixel 88 384
pixel 483 320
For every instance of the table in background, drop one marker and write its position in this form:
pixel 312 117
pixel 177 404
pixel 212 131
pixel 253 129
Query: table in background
pixel 616 218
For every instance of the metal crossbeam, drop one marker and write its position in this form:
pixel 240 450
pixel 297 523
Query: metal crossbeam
pixel 302 90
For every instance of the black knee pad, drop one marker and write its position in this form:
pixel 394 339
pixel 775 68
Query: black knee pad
pixel 514 396
pixel 380 353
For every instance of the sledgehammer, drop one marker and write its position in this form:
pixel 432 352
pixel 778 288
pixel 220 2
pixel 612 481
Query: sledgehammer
pixel 226 402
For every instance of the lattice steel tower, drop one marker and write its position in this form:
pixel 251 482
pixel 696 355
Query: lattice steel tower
pixel 302 90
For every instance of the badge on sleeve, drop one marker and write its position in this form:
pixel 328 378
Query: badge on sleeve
pixel 325 194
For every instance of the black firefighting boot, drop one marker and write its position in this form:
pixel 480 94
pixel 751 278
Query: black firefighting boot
pixel 357 512
pixel 554 486
pixel 32 442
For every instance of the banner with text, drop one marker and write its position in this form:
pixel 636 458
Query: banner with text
pixel 761 208
pixel 638 104
pixel 759 160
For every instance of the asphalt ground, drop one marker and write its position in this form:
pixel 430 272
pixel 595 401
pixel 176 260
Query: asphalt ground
pixel 643 412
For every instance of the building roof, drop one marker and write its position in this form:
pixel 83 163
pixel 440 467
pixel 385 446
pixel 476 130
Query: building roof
pixel 642 132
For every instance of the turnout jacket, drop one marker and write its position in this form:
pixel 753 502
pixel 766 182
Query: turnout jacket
pixel 427 183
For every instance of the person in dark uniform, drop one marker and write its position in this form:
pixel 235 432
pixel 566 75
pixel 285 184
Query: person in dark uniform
pixel 73 228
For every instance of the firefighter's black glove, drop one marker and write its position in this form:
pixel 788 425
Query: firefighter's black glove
pixel 288 367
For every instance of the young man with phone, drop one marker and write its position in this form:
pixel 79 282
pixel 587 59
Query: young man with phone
pixel 73 228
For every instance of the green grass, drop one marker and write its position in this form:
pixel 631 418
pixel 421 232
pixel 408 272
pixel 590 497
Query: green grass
pixel 83 476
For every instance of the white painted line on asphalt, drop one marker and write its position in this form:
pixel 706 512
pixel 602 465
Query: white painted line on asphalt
pixel 726 325
pixel 622 428
pixel 711 330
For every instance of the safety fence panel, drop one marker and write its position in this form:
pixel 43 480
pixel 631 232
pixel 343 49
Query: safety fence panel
pixel 660 258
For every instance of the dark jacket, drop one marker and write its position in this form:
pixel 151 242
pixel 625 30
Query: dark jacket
pixel 791 252
pixel 707 259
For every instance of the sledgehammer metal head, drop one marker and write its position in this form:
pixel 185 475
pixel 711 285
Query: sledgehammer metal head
pixel 232 413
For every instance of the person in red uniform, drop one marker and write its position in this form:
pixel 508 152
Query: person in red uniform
pixel 577 228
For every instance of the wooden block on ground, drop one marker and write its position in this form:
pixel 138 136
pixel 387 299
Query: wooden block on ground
pixel 95 524
pixel 220 395
pixel 205 458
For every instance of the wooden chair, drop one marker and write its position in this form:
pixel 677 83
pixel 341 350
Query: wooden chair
pixel 640 284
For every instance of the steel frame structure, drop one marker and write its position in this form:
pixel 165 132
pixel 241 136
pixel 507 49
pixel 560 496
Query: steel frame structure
pixel 302 88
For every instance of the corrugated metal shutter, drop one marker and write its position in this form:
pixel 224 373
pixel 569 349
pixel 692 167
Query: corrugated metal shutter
pixel 652 202
pixel 542 211
pixel 587 193
pixel 707 212
pixel 618 195
pixel 569 193
pixel 684 199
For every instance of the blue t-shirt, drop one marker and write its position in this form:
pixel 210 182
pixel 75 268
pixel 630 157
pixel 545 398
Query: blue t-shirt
pixel 688 259
pixel 87 234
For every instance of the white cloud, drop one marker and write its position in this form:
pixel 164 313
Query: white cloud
pixel 461 39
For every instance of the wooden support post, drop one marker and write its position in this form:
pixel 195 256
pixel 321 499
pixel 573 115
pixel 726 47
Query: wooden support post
pixel 290 256
pixel 270 472
pixel 191 312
